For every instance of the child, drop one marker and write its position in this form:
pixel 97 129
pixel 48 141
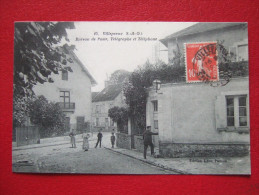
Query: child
pixel 73 139
pixel 113 139
pixel 86 142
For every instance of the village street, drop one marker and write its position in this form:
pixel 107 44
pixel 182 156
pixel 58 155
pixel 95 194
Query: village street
pixel 64 159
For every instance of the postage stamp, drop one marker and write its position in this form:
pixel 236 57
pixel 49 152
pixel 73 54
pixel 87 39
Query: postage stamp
pixel 201 62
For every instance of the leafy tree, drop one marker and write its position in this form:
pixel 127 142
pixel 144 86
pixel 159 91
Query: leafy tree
pixel 120 116
pixel 119 76
pixel 47 115
pixel 37 54
pixel 142 78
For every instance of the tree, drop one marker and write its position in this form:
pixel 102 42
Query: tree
pixel 120 116
pixel 142 78
pixel 119 76
pixel 47 115
pixel 37 54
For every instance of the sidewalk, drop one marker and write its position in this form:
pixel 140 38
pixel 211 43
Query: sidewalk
pixel 62 140
pixel 217 165
pixel 51 142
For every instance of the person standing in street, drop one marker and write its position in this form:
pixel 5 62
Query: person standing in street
pixel 147 136
pixel 112 139
pixel 85 145
pixel 73 139
pixel 99 139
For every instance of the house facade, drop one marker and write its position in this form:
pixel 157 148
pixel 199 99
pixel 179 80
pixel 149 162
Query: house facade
pixel 197 119
pixel 109 97
pixel 72 90
pixel 233 36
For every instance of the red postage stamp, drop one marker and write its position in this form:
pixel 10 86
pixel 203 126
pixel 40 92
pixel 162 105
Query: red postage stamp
pixel 201 62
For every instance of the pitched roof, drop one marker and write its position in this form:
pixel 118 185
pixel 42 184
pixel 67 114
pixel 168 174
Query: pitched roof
pixel 67 47
pixel 94 94
pixel 108 93
pixel 200 28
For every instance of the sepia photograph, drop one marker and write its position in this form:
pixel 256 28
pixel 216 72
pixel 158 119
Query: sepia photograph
pixel 131 98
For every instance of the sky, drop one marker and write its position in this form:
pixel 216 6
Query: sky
pixel 103 53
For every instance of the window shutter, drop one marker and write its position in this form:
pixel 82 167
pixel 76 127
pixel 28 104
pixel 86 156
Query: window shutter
pixel 221 112
pixel 148 106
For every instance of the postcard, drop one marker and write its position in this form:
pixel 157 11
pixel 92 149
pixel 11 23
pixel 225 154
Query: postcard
pixel 131 98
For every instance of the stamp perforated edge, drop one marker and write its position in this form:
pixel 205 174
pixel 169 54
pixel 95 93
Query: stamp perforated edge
pixel 185 59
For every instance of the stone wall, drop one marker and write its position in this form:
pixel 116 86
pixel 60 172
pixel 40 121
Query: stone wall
pixel 138 143
pixel 124 140
pixel 103 129
pixel 178 150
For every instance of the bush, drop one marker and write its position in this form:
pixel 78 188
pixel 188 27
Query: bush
pixel 120 116
pixel 48 116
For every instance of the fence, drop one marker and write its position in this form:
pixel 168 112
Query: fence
pixel 27 135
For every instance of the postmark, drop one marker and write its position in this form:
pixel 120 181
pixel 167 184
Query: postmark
pixel 201 62
pixel 207 62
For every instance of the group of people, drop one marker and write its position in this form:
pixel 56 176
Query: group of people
pixel 147 137
pixel 86 137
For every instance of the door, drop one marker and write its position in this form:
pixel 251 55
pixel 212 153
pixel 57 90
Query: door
pixel 67 124
pixel 80 120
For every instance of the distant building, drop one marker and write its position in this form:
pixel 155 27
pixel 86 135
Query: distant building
pixel 72 90
pixel 196 119
pixel 110 96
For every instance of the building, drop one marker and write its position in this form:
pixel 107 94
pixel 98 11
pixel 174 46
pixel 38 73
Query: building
pixel 109 97
pixel 72 90
pixel 196 119
pixel 233 35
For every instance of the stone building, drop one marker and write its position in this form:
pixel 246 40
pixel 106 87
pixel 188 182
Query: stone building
pixel 109 97
pixel 196 119
pixel 72 90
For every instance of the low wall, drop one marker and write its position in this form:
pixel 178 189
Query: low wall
pixel 124 140
pixel 138 143
pixel 27 135
pixel 177 150
pixel 103 129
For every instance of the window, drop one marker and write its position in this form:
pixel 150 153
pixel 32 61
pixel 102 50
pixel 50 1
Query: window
pixel 64 75
pixel 242 111
pixel 97 122
pixel 236 111
pixel 155 106
pixel 156 124
pixel 65 98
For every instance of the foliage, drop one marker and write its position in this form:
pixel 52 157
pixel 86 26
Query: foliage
pixel 119 76
pixel 120 116
pixel 142 78
pixel 20 111
pixel 47 115
pixel 37 54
